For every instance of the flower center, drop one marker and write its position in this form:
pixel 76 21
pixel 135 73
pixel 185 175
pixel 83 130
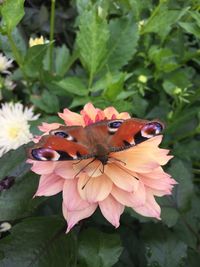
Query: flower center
pixel 13 132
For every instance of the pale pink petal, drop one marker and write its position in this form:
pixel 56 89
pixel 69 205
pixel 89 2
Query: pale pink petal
pixel 159 184
pixel 121 177
pixel 73 217
pixel 150 208
pixel 94 189
pixel 47 127
pixel 65 169
pixel 111 210
pixel 71 197
pixel 49 185
pixel 157 173
pixel 71 118
pixel 135 199
pixel 43 167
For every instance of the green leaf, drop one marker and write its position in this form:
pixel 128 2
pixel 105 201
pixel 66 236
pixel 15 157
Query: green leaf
pixel 33 62
pixel 182 192
pixel 114 85
pixel 62 59
pixel 72 85
pixel 47 102
pixel 190 27
pixel 12 12
pixel 169 213
pixel 39 242
pixel 17 201
pixel 92 41
pixel 164 59
pixel 122 42
pixel 162 20
pixel 99 249
pixel 11 160
pixel 163 249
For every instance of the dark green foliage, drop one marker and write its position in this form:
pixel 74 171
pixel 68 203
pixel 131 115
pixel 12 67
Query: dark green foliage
pixel 137 55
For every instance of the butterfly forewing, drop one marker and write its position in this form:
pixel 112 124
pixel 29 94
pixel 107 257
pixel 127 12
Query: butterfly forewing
pixel 94 141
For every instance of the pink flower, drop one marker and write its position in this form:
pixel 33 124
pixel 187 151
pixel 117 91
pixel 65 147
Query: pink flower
pixel 133 179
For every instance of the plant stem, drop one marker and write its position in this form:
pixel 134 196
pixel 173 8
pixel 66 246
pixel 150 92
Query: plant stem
pixel 16 53
pixel 52 26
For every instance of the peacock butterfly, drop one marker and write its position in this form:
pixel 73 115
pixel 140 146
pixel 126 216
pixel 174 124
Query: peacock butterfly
pixel 96 140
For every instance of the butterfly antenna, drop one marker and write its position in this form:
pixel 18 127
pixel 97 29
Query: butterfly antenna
pixel 90 176
pixel 84 166
pixel 125 170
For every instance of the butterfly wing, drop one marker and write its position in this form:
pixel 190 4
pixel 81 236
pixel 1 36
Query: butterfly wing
pixel 64 143
pixel 132 132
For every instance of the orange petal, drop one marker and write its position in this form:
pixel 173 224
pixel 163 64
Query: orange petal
pixel 111 210
pixel 71 197
pixel 71 118
pixel 49 185
pixel 110 112
pixel 144 157
pixel 94 189
pixel 121 177
pixel 93 169
pixel 90 111
pixel 73 217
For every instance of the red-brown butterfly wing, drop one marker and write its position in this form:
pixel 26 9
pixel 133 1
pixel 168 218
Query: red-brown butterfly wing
pixel 134 131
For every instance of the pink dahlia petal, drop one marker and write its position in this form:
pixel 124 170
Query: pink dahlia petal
pixel 159 184
pixel 65 169
pixel 133 199
pixel 47 127
pixel 94 189
pixel 49 185
pixel 73 217
pixel 111 210
pixel 150 208
pixel 43 167
pixel 71 118
pixel 71 197
pixel 121 177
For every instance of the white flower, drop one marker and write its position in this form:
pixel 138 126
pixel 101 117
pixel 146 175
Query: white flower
pixel 14 130
pixel 9 84
pixel 5 64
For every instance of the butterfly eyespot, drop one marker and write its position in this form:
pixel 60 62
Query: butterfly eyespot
pixel 151 129
pixel 64 135
pixel 45 154
pixel 114 125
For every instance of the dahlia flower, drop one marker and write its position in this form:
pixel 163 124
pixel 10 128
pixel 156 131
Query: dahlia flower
pixel 132 180
pixel 14 126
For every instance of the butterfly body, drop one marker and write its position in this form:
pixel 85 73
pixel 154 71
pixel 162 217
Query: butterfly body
pixel 96 140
